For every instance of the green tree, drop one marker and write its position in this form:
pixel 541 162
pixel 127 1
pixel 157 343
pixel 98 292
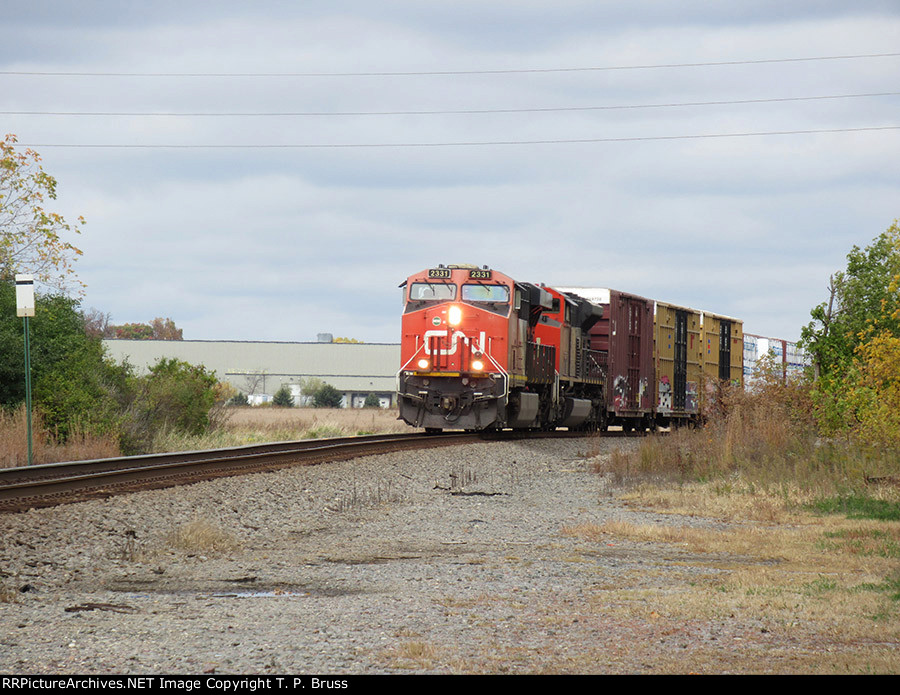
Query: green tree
pixel 859 298
pixel 133 331
pixel 856 346
pixel 283 398
pixel 157 329
pixel 372 401
pixel 327 396
pixel 74 385
pixel 239 399
pixel 33 240
pixel 310 385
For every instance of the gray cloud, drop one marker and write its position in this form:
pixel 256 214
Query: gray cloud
pixel 286 243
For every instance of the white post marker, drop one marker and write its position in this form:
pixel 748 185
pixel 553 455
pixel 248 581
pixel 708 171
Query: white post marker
pixel 25 309
pixel 24 295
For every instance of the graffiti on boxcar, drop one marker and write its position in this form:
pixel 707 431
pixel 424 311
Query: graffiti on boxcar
pixel 620 391
pixel 690 397
pixel 665 396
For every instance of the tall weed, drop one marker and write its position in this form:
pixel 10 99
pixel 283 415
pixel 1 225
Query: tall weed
pixel 767 435
pixel 48 446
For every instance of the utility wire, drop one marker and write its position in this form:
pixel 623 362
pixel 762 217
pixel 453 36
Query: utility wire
pixel 36 73
pixel 463 144
pixel 441 112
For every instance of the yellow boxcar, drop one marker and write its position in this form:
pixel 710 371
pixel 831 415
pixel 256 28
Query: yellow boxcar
pixel 723 349
pixel 679 359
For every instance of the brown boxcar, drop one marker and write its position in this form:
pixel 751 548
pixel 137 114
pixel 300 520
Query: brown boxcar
pixel 625 334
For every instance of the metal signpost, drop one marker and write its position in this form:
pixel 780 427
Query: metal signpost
pixel 25 309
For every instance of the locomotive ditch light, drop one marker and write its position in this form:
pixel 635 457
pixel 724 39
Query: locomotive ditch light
pixel 478 365
pixel 424 364
pixel 454 315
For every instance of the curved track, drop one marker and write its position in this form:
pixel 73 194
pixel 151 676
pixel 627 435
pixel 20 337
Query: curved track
pixel 48 485
pixel 58 483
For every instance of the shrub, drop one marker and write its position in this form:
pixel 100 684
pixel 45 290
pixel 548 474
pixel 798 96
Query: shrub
pixel 174 395
pixel 239 399
pixel 327 396
pixel 372 401
pixel 283 398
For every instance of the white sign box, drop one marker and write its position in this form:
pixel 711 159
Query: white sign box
pixel 24 295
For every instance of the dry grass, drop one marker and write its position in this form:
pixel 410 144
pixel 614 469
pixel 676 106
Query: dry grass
pixel 830 579
pixel 826 583
pixel 758 454
pixel 366 495
pixel 8 595
pixel 344 420
pixel 199 535
pixel 268 424
pixel 79 446
pixel 232 427
pixel 412 655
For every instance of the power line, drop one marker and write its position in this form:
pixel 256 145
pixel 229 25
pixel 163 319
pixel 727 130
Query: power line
pixel 385 145
pixel 442 112
pixel 35 73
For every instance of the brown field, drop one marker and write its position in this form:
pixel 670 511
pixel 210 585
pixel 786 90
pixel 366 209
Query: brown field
pixel 256 425
pixel 302 422
pixel 232 427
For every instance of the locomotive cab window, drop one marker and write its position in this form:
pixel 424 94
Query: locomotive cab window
pixel 485 293
pixel 494 298
pixel 423 294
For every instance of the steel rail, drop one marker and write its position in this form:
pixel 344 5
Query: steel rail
pixel 51 484
pixel 45 485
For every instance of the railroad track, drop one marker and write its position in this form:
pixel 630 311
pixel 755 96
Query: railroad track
pixel 59 483
pixel 51 484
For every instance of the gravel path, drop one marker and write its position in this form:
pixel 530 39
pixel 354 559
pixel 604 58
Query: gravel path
pixel 452 560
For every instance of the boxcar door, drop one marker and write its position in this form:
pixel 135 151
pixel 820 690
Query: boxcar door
pixel 680 367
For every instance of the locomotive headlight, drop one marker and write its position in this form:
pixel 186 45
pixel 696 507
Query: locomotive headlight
pixel 454 315
pixel 478 365
pixel 424 364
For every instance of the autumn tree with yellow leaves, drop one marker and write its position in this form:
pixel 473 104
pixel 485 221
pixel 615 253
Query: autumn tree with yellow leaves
pixel 33 239
pixel 855 344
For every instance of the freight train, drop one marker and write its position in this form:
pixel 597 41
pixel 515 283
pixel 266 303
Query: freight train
pixel 480 350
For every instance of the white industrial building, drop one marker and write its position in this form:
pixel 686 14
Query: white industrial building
pixel 259 369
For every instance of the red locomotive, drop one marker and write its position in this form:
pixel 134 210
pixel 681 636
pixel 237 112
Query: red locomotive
pixel 481 351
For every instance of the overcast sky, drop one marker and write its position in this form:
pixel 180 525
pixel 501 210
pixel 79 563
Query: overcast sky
pixel 283 242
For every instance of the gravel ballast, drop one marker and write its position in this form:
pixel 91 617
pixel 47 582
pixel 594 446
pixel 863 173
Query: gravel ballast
pixel 449 560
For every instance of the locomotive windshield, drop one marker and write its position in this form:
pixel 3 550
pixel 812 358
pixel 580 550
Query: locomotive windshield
pixel 493 298
pixel 422 294
pixel 485 293
pixel 423 291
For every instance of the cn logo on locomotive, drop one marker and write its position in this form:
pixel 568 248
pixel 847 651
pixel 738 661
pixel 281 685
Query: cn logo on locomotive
pixel 479 345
